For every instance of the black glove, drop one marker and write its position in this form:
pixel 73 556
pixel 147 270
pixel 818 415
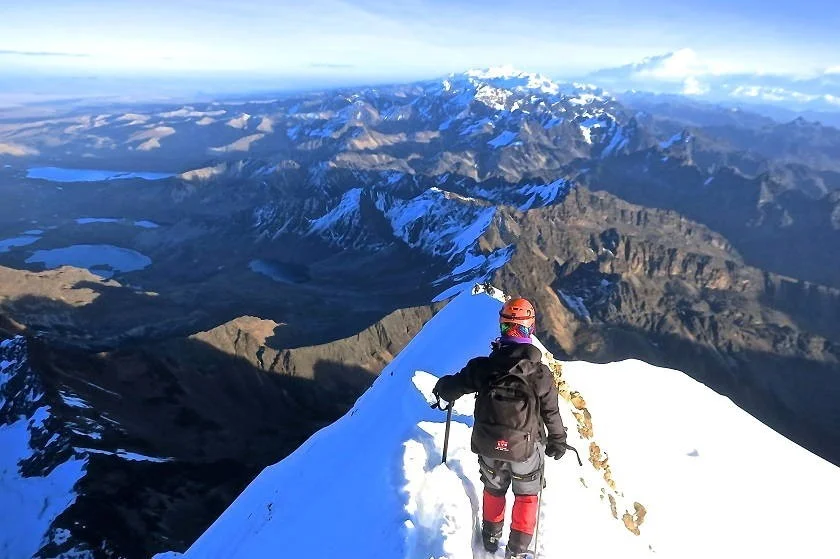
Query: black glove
pixel 438 396
pixel 555 448
pixel 442 391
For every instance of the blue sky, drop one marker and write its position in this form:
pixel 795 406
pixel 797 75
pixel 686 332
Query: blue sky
pixel 372 39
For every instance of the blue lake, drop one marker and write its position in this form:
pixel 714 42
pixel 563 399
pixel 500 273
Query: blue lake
pixel 102 260
pixel 62 174
pixel 7 244
pixel 142 223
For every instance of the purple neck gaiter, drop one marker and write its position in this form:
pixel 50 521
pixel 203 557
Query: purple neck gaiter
pixel 515 333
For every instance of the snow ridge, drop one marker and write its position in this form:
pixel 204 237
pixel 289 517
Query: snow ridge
pixel 409 505
pixel 672 441
pixel 346 214
pixel 437 222
pixel 541 195
pixel 507 77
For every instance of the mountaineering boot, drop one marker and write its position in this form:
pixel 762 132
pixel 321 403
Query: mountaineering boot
pixel 490 534
pixel 517 545
pixel 522 526
pixel 493 512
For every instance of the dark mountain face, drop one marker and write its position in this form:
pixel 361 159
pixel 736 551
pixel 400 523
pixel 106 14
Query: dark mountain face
pixel 163 434
pixel 774 221
pixel 298 248
pixel 621 281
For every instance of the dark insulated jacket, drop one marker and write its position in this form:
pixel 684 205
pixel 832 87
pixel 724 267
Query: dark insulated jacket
pixel 479 371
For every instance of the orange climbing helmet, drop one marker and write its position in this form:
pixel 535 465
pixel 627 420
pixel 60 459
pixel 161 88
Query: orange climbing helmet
pixel 518 311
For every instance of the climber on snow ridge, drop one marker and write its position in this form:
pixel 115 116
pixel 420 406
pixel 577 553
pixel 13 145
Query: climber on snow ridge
pixel 516 403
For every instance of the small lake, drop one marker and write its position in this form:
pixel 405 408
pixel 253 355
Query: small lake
pixel 281 271
pixel 7 244
pixel 142 223
pixel 89 220
pixel 102 260
pixel 33 235
pixel 62 174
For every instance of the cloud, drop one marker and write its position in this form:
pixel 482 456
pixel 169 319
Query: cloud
pixel 683 68
pixel 675 65
pixel 331 65
pixel 680 65
pixel 17 150
pixel 693 86
pixel 42 53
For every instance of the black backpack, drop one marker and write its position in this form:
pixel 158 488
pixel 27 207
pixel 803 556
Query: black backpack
pixel 507 415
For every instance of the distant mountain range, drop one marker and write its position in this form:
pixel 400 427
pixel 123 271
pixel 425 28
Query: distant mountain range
pixel 684 73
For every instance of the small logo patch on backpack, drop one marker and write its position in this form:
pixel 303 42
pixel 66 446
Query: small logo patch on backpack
pixel 502 446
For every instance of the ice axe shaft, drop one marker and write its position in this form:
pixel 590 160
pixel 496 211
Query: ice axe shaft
pixel 437 405
pixel 537 530
pixel 446 433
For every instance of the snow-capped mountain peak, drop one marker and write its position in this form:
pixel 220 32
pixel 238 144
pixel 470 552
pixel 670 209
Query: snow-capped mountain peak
pixel 508 77
pixel 495 72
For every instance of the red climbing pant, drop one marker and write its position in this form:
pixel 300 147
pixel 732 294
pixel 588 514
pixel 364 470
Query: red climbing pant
pixel 494 508
pixel 524 517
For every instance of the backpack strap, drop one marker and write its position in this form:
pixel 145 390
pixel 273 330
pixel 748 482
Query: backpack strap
pixel 524 378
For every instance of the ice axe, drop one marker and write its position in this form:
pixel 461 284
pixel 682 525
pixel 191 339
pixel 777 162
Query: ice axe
pixel 437 405
pixel 573 449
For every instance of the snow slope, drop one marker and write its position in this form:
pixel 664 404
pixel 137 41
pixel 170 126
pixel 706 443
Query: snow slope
pixel 30 504
pixel 715 480
pixel 712 480
pixel 437 222
pixel 35 486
